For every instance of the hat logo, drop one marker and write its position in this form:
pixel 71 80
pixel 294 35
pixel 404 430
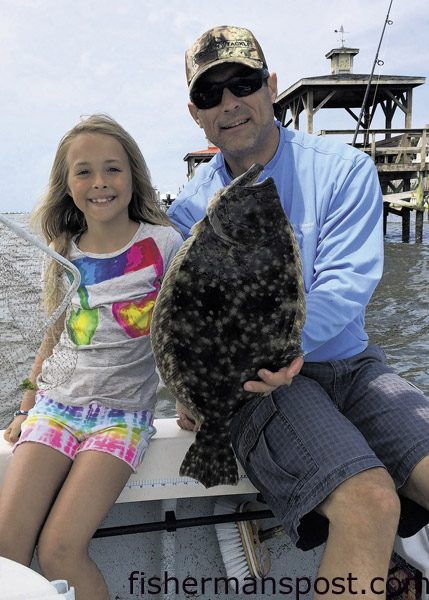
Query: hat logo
pixel 210 52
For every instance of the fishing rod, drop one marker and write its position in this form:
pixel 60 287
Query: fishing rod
pixel 376 62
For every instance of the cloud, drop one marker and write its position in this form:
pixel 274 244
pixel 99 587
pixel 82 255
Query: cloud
pixel 60 59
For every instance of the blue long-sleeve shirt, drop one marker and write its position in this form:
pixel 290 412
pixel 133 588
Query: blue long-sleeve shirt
pixel 331 195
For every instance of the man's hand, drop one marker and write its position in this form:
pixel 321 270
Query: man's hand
pixel 271 381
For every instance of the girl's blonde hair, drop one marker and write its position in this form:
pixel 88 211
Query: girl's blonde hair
pixel 58 217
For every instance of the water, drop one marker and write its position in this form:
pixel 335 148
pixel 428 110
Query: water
pixel 397 317
pixel 398 314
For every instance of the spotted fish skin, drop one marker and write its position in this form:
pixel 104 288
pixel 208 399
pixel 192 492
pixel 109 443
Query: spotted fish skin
pixel 232 302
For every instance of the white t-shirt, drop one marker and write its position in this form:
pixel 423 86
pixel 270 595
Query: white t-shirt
pixel 104 354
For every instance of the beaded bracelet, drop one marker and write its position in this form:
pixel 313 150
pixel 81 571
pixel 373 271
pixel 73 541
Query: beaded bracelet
pixel 20 412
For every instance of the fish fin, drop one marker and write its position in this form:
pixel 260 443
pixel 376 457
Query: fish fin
pixel 249 177
pixel 211 459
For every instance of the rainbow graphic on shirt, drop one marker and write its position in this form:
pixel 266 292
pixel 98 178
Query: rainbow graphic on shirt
pixel 133 316
pixel 82 324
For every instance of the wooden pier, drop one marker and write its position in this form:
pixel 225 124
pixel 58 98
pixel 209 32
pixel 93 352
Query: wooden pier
pixel 400 155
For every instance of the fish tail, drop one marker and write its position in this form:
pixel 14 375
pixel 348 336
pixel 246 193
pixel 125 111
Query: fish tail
pixel 211 459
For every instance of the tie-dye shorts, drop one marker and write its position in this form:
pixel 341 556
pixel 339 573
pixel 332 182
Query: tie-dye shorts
pixel 73 429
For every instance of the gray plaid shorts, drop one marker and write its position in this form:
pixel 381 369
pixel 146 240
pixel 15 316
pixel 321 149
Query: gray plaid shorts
pixel 338 418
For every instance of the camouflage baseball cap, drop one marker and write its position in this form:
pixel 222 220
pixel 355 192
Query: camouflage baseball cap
pixel 224 44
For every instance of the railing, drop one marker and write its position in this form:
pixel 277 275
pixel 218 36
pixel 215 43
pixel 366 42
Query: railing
pixel 398 149
pixel 401 157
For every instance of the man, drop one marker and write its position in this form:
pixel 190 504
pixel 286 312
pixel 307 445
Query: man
pixel 340 434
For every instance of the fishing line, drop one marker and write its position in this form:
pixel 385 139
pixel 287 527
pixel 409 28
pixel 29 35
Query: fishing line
pixel 376 62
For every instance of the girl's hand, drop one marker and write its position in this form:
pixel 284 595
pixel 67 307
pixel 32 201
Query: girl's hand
pixel 13 432
pixel 185 420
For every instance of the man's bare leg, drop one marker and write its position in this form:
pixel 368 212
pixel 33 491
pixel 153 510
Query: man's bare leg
pixel 417 486
pixel 363 515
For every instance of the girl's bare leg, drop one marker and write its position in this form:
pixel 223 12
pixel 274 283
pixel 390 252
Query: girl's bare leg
pixel 31 483
pixel 91 488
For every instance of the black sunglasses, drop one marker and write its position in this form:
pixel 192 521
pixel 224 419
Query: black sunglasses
pixel 207 95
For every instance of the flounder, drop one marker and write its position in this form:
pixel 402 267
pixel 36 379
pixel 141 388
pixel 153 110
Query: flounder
pixel 231 303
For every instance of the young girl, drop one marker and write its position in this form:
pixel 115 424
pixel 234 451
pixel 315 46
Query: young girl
pixel 86 429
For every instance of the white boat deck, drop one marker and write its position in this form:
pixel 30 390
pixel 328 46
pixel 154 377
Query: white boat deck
pixel 191 553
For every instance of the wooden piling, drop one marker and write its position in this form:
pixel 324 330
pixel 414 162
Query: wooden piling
pixel 406 221
pixel 419 226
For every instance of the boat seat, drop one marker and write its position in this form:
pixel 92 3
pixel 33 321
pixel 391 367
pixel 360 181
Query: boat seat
pixel 158 476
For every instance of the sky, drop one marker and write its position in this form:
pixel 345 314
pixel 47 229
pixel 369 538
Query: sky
pixel 61 59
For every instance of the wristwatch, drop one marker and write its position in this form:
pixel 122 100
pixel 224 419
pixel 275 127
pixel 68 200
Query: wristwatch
pixel 20 412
